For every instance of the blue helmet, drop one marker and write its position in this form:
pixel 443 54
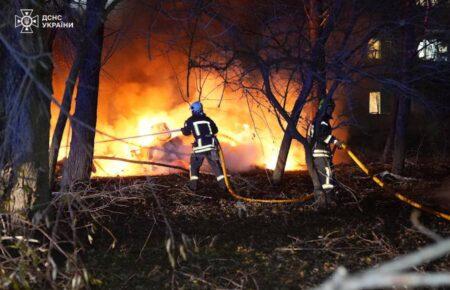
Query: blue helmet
pixel 197 108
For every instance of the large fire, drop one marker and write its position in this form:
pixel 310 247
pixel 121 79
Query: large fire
pixel 247 145
pixel 139 96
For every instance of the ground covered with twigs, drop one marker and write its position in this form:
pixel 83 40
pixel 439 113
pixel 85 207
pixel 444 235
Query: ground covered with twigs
pixel 167 237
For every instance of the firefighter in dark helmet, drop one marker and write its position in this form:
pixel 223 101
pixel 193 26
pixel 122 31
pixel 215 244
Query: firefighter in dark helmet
pixel 321 138
pixel 205 145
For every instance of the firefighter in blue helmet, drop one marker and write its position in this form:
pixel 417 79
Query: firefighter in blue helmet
pixel 321 138
pixel 205 145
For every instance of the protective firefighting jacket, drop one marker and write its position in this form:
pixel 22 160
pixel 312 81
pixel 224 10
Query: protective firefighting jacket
pixel 203 129
pixel 321 135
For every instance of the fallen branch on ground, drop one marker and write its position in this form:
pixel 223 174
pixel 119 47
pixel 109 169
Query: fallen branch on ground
pixel 392 273
pixel 141 162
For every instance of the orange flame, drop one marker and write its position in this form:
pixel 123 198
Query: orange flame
pixel 143 95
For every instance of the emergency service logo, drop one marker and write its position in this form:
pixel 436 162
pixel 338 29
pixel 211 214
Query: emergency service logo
pixel 27 21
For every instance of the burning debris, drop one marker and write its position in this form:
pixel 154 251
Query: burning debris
pixel 165 148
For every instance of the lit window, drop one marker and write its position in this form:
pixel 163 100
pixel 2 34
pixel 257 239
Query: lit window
pixel 374 49
pixel 426 3
pixel 375 103
pixel 432 50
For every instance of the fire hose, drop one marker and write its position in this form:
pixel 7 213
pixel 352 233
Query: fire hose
pixel 304 198
pixel 249 199
pixel 139 136
pixel 398 195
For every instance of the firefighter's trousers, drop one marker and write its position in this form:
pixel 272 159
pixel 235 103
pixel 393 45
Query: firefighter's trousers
pixel 322 162
pixel 196 162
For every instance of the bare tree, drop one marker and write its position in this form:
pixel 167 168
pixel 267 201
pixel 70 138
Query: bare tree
pixel 419 26
pixel 81 41
pixel 79 164
pixel 315 47
pixel 408 53
pixel 27 77
pixel 317 40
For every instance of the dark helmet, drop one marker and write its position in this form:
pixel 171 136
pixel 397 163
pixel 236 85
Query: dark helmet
pixel 328 111
pixel 197 108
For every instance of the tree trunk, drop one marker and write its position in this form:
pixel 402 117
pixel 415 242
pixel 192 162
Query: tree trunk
pixel 2 103
pixel 79 164
pixel 319 87
pixel 283 153
pixel 26 89
pixel 285 146
pixel 391 136
pixel 311 167
pixel 399 155
pixel 62 118
pixel 404 103
pixel 67 97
